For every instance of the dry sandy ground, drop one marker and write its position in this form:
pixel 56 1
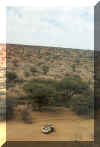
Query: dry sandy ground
pixel 2 133
pixel 68 127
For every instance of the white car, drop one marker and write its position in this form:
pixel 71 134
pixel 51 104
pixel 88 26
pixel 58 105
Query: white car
pixel 47 129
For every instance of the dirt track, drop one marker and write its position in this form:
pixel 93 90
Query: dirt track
pixel 68 127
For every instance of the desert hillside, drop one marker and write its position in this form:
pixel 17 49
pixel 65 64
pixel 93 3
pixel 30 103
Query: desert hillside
pixel 48 62
pixel 60 61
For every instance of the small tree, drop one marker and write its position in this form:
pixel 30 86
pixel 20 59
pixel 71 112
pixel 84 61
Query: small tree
pixel 71 86
pixel 40 94
pixel 33 69
pixel 27 74
pixel 78 61
pixel 74 68
pixel 83 104
pixel 11 78
pixel 45 69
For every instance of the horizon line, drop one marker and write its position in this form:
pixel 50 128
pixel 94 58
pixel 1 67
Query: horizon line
pixel 47 46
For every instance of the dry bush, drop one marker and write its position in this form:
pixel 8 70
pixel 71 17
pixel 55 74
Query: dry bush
pixel 26 116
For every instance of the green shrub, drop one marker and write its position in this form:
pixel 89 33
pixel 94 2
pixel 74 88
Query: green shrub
pixel 74 68
pixel 33 69
pixel 45 69
pixel 11 76
pixel 40 93
pixel 27 74
pixel 70 86
pixel 82 104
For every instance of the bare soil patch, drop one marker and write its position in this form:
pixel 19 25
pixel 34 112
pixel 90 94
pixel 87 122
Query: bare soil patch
pixel 69 127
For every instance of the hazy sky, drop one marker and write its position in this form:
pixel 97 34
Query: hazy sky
pixel 62 27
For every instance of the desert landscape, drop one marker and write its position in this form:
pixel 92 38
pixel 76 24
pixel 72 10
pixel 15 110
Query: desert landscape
pixel 48 85
pixel 47 71
pixel 68 127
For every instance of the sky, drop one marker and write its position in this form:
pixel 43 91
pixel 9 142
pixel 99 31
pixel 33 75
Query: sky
pixel 69 26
